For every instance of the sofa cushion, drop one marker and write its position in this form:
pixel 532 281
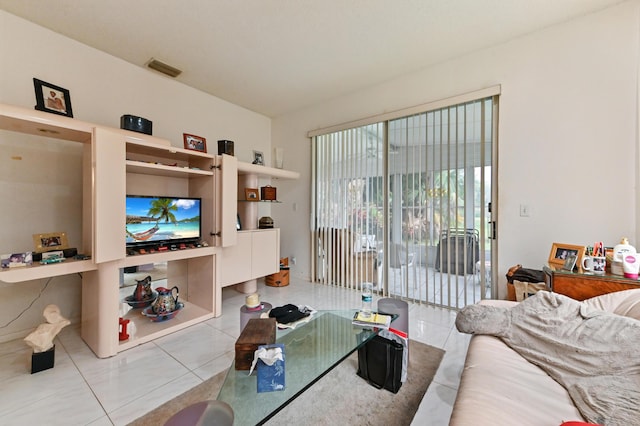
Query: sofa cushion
pixel 497 383
pixel 589 351
pixel 625 303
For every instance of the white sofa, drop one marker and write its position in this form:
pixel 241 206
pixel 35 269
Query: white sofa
pixel 499 387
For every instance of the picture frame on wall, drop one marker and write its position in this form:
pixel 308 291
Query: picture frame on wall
pixel 50 241
pixel 560 252
pixel 258 158
pixel 194 143
pixel 52 98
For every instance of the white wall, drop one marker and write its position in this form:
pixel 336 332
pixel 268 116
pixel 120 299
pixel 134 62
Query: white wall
pixel 102 89
pixel 568 119
pixel 567 130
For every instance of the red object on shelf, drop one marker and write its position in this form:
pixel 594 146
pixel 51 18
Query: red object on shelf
pixel 123 335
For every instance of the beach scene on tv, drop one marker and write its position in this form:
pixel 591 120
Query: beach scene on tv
pixel 155 219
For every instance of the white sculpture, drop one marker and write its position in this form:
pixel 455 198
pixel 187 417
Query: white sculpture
pixel 41 340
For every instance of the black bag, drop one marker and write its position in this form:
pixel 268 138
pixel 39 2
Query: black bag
pixel 380 363
pixel 527 275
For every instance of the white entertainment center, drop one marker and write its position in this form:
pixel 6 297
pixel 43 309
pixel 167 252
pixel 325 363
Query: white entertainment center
pixel 118 162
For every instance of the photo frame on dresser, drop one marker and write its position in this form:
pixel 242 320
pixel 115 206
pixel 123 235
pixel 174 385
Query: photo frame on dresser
pixel 570 262
pixel 560 252
pixel 52 98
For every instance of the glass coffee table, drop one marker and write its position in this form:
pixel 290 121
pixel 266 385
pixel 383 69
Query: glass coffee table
pixel 312 350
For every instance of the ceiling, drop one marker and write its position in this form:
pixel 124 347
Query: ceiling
pixel 276 56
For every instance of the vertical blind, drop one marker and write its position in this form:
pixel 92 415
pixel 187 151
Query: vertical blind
pixel 385 195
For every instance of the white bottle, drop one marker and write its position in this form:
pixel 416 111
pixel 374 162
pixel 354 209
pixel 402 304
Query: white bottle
pixel 367 300
pixel 618 251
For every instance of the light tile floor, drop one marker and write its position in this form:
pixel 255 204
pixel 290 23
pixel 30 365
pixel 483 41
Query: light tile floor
pixel 84 390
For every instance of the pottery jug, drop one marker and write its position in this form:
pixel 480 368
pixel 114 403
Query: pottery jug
pixel 143 289
pixel 165 302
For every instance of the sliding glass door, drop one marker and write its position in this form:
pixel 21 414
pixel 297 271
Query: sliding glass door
pixel 404 204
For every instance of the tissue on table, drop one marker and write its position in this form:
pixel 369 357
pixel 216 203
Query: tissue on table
pixel 269 360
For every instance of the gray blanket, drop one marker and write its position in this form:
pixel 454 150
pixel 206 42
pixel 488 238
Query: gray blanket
pixel 593 354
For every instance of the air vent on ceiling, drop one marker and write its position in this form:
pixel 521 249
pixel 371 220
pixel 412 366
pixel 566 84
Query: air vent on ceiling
pixel 154 64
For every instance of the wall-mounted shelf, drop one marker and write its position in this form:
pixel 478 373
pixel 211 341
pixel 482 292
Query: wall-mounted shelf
pixel 37 271
pixel 264 171
pixel 155 169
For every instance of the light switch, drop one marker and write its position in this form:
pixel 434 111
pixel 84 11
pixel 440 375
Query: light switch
pixel 524 210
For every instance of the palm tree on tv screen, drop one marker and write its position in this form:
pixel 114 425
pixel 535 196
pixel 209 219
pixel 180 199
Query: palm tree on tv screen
pixel 161 210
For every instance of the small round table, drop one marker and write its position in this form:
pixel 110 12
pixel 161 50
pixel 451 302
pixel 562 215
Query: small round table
pixel 246 314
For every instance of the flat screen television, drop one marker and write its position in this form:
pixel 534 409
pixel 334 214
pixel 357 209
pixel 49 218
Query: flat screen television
pixel 162 220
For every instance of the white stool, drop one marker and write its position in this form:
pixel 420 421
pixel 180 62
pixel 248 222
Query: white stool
pixel 399 307
pixel 246 314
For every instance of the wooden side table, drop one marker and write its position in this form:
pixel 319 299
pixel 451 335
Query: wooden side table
pixel 581 286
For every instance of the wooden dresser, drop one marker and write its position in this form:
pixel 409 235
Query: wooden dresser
pixel 581 286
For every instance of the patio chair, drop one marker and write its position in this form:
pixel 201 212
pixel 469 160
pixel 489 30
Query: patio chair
pixel 401 258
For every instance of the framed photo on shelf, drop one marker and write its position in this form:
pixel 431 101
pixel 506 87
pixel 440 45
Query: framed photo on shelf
pixel 251 194
pixel 16 259
pixel 560 252
pixel 52 98
pixel 194 143
pixel 51 241
pixel 258 158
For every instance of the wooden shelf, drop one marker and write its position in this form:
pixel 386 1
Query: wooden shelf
pixel 147 330
pixel 169 255
pixel 144 168
pixel 116 161
pixel 166 150
pixel 40 123
pixel 263 171
pixel 37 271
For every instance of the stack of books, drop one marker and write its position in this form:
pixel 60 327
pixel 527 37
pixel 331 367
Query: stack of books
pixel 372 320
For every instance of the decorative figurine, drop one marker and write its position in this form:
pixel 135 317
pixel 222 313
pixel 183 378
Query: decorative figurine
pixel 166 305
pixel 143 295
pixel 123 334
pixel 41 339
pixel 143 289
pixel 166 301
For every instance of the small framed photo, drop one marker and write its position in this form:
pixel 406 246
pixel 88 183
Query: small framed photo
pixel 16 259
pixel 570 262
pixel 560 253
pixel 251 194
pixel 258 158
pixel 51 241
pixel 52 98
pixel 194 143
